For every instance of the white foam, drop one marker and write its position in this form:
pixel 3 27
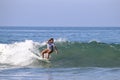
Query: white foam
pixel 17 53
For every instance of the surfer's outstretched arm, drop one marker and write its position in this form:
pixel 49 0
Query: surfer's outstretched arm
pixel 56 50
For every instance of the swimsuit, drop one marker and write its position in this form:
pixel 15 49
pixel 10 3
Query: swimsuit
pixel 50 46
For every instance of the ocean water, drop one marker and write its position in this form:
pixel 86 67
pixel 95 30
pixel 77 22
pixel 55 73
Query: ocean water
pixel 85 53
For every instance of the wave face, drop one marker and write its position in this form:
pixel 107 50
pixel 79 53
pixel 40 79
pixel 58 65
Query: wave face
pixel 71 54
pixel 92 54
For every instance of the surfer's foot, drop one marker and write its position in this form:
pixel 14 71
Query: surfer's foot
pixel 46 58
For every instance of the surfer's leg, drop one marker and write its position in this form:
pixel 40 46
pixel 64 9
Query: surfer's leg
pixel 49 52
pixel 43 52
pixel 48 56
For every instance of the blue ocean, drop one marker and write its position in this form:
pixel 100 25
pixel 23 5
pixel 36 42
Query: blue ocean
pixel 84 53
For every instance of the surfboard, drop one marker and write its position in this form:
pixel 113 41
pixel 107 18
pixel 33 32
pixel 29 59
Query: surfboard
pixel 37 56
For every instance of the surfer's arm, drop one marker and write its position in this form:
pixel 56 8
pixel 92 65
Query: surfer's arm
pixel 56 49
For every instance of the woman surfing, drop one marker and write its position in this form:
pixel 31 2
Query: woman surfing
pixel 50 48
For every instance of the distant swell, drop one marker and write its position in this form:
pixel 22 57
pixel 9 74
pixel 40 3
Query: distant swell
pixel 71 54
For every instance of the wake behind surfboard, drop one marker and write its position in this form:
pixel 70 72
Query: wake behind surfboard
pixel 37 56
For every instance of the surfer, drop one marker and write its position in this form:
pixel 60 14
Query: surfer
pixel 50 48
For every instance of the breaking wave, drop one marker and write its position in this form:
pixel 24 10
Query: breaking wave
pixel 71 54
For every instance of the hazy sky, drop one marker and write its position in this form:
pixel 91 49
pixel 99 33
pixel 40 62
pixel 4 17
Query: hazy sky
pixel 59 12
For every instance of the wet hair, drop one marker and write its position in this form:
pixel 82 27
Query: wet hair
pixel 51 39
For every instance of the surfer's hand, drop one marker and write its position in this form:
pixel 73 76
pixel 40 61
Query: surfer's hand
pixel 56 51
